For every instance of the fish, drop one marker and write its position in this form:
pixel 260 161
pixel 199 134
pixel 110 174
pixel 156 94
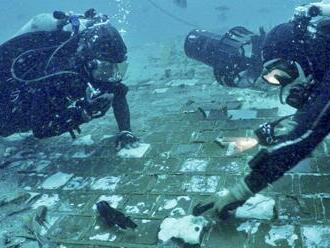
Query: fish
pixel 222 8
pixel 34 224
pixel 181 3
pixel 41 215
pixel 112 216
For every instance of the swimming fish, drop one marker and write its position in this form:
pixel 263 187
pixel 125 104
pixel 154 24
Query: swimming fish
pixel 181 3
pixel 112 216
pixel 222 8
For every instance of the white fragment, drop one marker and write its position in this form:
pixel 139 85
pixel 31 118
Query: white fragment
pixel 82 154
pixel 160 91
pixel 42 164
pixel 56 180
pixel 132 209
pixel 192 165
pixel 78 183
pixel 137 152
pixel 316 236
pixel 84 141
pixel 46 200
pixel 106 183
pixel 107 136
pixel 178 212
pixel 113 200
pixel 9 151
pixel 170 204
pixel 136 209
pixel 186 198
pixel 250 227
pixel 202 184
pixel 103 237
pixel 285 232
pixel 257 207
pixel 188 228
pixel 178 82
pixel 231 150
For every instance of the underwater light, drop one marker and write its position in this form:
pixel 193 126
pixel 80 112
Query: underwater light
pixel 272 77
pixel 244 143
pixel 237 144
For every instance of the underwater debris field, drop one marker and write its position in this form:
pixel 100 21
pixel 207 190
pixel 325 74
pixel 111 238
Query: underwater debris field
pixel 180 116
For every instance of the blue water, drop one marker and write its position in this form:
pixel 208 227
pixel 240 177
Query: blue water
pixel 145 23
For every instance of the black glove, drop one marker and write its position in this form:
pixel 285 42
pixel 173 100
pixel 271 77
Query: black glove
pixel 125 139
pixel 99 105
pixel 298 96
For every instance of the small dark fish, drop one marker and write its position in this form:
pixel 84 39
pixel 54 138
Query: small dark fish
pixel 41 215
pixel 222 8
pixel 181 3
pixel 113 217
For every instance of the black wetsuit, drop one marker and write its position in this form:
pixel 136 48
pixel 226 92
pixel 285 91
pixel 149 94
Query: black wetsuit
pixel 56 104
pixel 313 119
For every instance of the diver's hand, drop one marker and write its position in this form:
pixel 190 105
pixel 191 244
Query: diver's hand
pixel 126 139
pixel 99 105
pixel 224 201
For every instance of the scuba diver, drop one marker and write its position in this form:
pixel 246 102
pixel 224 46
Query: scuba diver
pixel 291 51
pixel 63 70
pixel 235 56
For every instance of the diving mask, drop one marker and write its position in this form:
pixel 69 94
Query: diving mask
pixel 109 72
pixel 280 72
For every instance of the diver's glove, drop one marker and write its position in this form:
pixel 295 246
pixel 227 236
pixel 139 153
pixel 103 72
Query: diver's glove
pixel 222 202
pixel 126 139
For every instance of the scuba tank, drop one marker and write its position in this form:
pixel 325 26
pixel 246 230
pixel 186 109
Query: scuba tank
pixel 75 24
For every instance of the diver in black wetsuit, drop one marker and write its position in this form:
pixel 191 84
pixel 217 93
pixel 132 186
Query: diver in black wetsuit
pixel 53 81
pixel 286 46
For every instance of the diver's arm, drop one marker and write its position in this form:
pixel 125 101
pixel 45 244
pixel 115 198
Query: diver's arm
pixel 269 165
pixel 312 127
pixel 120 106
